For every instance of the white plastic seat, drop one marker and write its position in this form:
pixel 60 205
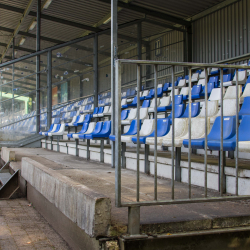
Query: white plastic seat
pixel 245 93
pixel 202 74
pixel 184 91
pixel 165 101
pixel 197 132
pixel 81 119
pixel 53 129
pixel 73 120
pixel 228 83
pixel 215 95
pixel 147 128
pixel 181 127
pixel 133 115
pixel 231 92
pixel 244 146
pixel 201 82
pixel 90 130
pixel 105 111
pixel 144 93
pixel 124 101
pixel 176 92
pixel 242 77
pixel 195 77
pixel 60 132
pixel 152 105
pixel 229 109
pixel 212 109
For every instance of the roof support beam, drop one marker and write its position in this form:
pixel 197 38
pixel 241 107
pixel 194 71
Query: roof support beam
pixel 163 25
pixel 150 12
pixel 25 14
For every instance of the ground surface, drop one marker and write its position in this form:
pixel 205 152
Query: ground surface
pixel 22 227
pixel 100 177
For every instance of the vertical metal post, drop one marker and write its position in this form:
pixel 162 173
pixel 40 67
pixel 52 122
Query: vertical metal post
pixel 138 135
pixel 155 139
pixel 189 133
pixel 95 66
pixel 81 85
pixel 205 146
pixel 13 78
pixel 222 177
pixel 49 88
pixel 88 152
pixel 178 164
pixel 173 132
pixel 237 134
pixel 185 51
pixel 102 151
pixel 114 56
pixel 148 67
pixel 134 220
pixel 139 49
pixel 68 90
pixel 146 161
pixel 117 119
pixel 123 155
pixel 38 34
pixel 77 149
pixel 189 44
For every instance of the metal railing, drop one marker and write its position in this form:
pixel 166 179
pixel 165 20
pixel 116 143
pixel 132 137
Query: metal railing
pixel 134 207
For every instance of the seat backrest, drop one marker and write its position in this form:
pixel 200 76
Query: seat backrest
pixel 124 114
pixel 128 92
pixel 145 104
pixel 95 110
pixel 163 127
pixel 106 127
pixel 229 128
pixel 178 99
pixel 106 109
pixel 98 128
pixel 84 127
pixel 91 127
pixel 196 89
pixel 178 111
pixel 244 132
pixel 133 128
pixel 214 79
pixel 227 77
pixel 182 83
pixel 145 92
pixel 215 94
pixel 246 91
pixel 195 110
pixel 135 100
pixel 198 127
pixel 242 75
pixel 87 118
pixel 100 111
pixel 81 119
pixel 231 92
pixel 201 82
pixel 245 109
pixel 212 109
pixel 152 104
pixel 147 127
pixel 184 91
pixel 176 92
pixel 132 114
pixel 165 86
pixel 180 128
pixel 143 113
pixel 165 101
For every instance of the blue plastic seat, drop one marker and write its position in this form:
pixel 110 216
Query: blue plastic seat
pixel 248 81
pixel 145 104
pixel 100 111
pixel 152 93
pixel 124 114
pixel 104 132
pixel 245 108
pixel 229 129
pixel 210 87
pixel 133 104
pixel 56 130
pixel 178 111
pixel 230 143
pixel 195 110
pixel 227 77
pixel 163 127
pixel 178 99
pixel 97 130
pixel 186 77
pixel 87 119
pixel 166 86
pixel 132 130
pixel 50 129
pixel 95 111
pixel 77 120
pixel 83 130
pixel 214 79
pixel 196 92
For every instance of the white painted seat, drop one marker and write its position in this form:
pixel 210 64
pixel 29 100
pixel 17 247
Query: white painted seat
pixel 229 109
pixel 165 101
pixel 202 74
pixel 242 77
pixel 144 93
pixel 53 129
pixel 213 70
pixel 195 77
pixel 212 109
pixel 147 128
pixel 201 82
pixel 133 115
pixel 231 92
pixel 73 120
pixel 90 130
pixel 215 95
pixel 197 132
pixel 152 105
pixel 181 83
pixel 81 119
pixel 105 110
pixel 245 93
pixel 181 127
pixel 176 92
pixel 85 102
pixel 60 132
pixel 184 91
pixel 124 101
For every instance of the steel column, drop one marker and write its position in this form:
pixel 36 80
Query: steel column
pixel 148 67
pixel 123 155
pixel 49 88
pixel 38 35
pixel 68 90
pixel 139 49
pixel 13 78
pixel 81 86
pixel 178 164
pixel 114 56
pixel 189 44
pixel 88 152
pixel 95 68
pixel 146 161
pixel 77 149
pixel 102 151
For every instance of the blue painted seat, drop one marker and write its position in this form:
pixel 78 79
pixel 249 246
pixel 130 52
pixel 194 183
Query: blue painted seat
pixel 210 87
pixel 124 114
pixel 166 86
pixel 87 119
pixel 178 100
pixel 50 129
pixel 196 92
pixel 245 108
pixel 77 120
pixel 248 81
pixel 103 133
pixel 178 111
pixel 54 131
pixel 97 130
pixel 132 130
pixel 163 127
pixel 83 130
pixel 95 111
pixel 152 93
pixel 195 110
pixel 214 79
pixel 100 111
pixel 133 104
pixel 229 129
pixel 230 143
pixel 145 104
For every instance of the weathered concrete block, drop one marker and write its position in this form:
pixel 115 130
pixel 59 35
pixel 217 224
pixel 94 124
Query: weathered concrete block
pixel 7 154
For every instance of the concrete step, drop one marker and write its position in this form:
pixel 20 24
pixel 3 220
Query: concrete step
pixel 4 176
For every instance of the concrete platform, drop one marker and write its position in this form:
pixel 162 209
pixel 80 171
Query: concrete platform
pixel 84 192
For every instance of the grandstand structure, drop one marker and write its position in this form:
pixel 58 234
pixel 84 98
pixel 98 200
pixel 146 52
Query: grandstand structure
pixel 156 94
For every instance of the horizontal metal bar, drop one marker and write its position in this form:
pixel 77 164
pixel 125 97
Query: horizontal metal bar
pixel 198 65
pixel 184 201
